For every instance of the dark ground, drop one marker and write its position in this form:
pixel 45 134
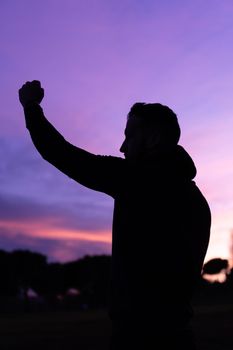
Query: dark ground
pixel 90 330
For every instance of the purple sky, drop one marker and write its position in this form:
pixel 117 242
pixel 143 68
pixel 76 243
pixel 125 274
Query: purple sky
pixel 95 59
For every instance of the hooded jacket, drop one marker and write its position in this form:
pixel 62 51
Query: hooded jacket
pixel 161 221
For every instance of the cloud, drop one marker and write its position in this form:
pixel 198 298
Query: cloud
pixel 54 249
pixel 44 210
pixel 86 217
pixel 32 188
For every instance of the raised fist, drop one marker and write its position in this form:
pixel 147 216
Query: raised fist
pixel 31 92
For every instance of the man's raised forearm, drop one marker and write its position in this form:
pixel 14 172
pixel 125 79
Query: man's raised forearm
pixel 93 171
pixel 48 141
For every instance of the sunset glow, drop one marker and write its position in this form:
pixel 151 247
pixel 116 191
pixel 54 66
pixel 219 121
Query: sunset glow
pixel 41 230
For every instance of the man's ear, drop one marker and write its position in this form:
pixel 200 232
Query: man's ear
pixel 152 140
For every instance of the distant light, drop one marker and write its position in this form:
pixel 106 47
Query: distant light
pixel 73 292
pixel 31 294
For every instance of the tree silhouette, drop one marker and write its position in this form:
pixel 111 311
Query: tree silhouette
pixel 90 275
pixel 8 282
pixel 25 267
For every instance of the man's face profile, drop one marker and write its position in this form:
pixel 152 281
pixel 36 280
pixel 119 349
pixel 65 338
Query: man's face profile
pixel 133 145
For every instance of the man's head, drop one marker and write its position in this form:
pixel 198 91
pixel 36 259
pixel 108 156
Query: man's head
pixel 149 127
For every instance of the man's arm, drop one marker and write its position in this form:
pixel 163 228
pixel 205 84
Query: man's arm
pixel 100 173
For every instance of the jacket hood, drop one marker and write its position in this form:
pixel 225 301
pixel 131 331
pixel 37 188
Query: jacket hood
pixel 184 164
pixel 172 162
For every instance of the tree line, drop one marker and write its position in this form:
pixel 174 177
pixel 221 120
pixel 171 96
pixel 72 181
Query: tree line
pixel 83 282
pixel 86 278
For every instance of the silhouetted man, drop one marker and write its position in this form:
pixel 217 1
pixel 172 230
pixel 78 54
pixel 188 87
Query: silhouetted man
pixel 161 221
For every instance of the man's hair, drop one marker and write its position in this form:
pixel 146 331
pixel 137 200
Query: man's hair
pixel 158 116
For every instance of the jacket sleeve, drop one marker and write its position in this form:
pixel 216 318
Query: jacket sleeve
pixel 99 173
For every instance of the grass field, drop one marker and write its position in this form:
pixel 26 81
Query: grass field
pixel 90 330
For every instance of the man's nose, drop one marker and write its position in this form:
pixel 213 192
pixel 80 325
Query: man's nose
pixel 123 147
